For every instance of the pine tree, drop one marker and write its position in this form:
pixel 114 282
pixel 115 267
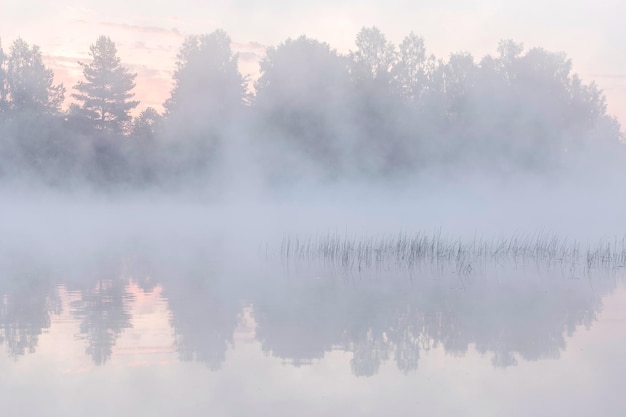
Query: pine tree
pixel 106 92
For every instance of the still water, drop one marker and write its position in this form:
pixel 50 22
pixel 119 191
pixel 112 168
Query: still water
pixel 141 332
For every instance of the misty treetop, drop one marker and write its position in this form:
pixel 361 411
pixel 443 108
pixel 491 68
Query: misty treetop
pixel 26 84
pixel 379 111
pixel 105 95
pixel 206 102
pixel 207 83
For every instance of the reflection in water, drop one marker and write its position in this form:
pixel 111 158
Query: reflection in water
pixel 27 300
pixel 203 318
pixel 103 312
pixel 385 318
pixel 514 314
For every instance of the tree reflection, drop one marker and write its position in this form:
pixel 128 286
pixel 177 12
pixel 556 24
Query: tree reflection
pixel 203 316
pixel 26 303
pixel 298 323
pixel 522 317
pixel 377 318
pixel 203 311
pixel 104 312
pixel 369 351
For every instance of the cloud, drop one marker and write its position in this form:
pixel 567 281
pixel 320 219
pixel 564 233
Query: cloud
pixel 60 59
pixel 150 30
pixel 66 68
pixel 251 45
pixel 149 72
pixel 609 76
pixel 251 51
pixel 141 45
pixel 249 56
pixel 154 30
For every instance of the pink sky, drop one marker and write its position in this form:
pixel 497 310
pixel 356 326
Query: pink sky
pixel 148 35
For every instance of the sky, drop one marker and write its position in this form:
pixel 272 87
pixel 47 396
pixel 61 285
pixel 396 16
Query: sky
pixel 149 34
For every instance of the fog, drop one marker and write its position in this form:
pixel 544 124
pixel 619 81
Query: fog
pixel 384 203
pixel 387 140
pixel 381 117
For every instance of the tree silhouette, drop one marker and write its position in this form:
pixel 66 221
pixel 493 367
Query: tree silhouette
pixel 147 124
pixel 29 83
pixel 410 69
pixel 379 112
pixel 206 102
pixel 30 116
pixel 207 83
pixel 106 95
pixel 302 95
pixel 375 56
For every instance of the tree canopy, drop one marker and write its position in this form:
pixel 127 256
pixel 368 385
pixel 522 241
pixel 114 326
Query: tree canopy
pixel 380 111
pixel 106 93
pixel 28 83
pixel 206 102
pixel 207 82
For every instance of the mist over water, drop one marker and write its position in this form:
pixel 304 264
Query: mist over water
pixel 382 219
pixel 193 302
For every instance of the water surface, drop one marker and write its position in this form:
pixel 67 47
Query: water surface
pixel 197 330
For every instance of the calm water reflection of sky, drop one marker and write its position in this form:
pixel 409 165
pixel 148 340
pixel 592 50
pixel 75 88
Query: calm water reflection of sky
pixel 153 341
pixel 128 310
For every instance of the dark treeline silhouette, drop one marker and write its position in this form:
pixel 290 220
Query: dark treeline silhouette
pixel 381 111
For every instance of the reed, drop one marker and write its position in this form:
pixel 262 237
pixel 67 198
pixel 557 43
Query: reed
pixel 404 250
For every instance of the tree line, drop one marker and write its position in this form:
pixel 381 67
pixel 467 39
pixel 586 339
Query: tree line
pixel 380 111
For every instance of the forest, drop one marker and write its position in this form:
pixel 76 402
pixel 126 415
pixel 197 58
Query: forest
pixel 382 112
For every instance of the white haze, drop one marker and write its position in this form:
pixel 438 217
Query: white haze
pixel 235 232
pixel 262 183
pixel 151 251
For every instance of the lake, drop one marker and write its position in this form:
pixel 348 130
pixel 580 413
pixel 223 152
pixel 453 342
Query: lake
pixel 107 312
